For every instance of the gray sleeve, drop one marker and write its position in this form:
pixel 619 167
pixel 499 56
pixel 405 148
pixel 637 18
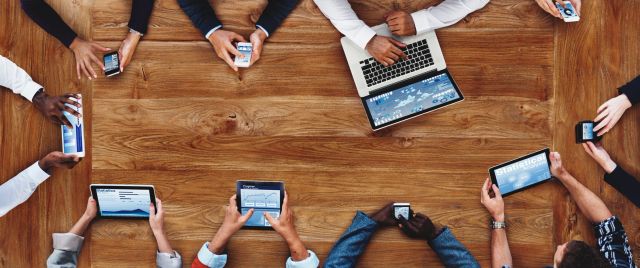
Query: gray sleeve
pixel 167 260
pixel 66 247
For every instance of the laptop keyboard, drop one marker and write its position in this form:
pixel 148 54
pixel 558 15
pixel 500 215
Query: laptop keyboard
pixel 419 57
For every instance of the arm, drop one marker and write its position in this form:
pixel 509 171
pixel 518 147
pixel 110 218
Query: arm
pixel 273 15
pixel 66 246
pixel 201 15
pixel 613 243
pixel 626 184
pixel 632 90
pixel 352 242
pixel 43 15
pixel 16 79
pixel 445 14
pixel 18 189
pixel 342 16
pixel 451 252
pixel 140 14
pixel 500 252
pixel 589 203
pixel 166 257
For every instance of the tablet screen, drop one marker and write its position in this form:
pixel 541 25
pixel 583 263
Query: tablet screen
pixel 262 198
pixel 522 173
pixel 124 202
pixel 412 99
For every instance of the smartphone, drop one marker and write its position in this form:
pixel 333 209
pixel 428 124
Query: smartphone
pixel 585 133
pixel 73 137
pixel 568 12
pixel 245 49
pixel 111 64
pixel 402 209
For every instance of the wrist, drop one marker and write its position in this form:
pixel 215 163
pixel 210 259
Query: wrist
pixel 134 37
pixel 499 217
pixel 609 166
pixel 291 238
pixel 44 165
pixel 625 100
pixel 74 43
pixel 261 34
pixel 88 218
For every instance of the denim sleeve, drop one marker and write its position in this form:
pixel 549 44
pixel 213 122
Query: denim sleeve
pixel 352 243
pixel 613 243
pixel 451 252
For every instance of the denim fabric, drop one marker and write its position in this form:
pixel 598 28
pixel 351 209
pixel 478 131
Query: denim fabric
pixel 352 243
pixel 451 252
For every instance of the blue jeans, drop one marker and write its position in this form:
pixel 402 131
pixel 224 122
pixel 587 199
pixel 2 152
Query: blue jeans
pixel 354 240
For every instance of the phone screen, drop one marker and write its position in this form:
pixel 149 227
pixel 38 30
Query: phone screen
pixel 587 131
pixel 245 49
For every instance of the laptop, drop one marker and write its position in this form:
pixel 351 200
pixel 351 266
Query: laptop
pixel 406 89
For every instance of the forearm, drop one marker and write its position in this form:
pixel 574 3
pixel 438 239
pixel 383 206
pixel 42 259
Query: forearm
pixel 352 242
pixel 140 14
pixel 163 242
pixel 500 253
pixel 43 15
pixel 275 12
pixel 81 225
pixel 625 184
pixel 445 14
pixel 589 203
pixel 297 248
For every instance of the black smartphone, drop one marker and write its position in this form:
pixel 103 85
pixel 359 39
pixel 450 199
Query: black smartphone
pixel 585 133
pixel 111 64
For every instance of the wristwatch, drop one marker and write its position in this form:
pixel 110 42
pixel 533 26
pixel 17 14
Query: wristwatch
pixel 498 224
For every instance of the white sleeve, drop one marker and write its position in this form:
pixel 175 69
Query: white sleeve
pixel 18 189
pixel 168 260
pixel 311 261
pixel 445 14
pixel 342 16
pixel 16 79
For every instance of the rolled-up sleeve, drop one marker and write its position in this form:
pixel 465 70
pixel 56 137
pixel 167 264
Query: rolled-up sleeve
pixel 311 261
pixel 208 259
pixel 66 247
pixel 16 79
pixel 445 14
pixel 168 260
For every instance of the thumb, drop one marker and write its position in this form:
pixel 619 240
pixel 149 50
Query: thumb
pixel 496 191
pixel 152 212
pixel 403 221
pixel 247 216
pixel 270 219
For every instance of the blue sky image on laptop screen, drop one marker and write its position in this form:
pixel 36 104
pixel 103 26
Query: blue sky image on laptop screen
pixel 411 99
pixel 523 173
pixel 124 202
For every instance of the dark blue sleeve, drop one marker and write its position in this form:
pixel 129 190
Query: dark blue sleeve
pixel 451 252
pixel 352 243
pixel 201 14
pixel 140 14
pixel 632 90
pixel 626 184
pixel 47 18
pixel 275 12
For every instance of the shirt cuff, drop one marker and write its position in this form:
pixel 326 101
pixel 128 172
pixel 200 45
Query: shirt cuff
pixel 211 31
pixel 30 89
pixel 67 242
pixel 263 29
pixel 208 258
pixel 363 36
pixel 36 173
pixel 311 261
pixel 168 260
pixel 608 227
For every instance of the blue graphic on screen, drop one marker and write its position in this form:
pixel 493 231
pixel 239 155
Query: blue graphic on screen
pixel 523 173
pixel 72 137
pixel 411 99
pixel 246 52
pixel 111 62
pixel 261 201
pixel 124 202
pixel 587 131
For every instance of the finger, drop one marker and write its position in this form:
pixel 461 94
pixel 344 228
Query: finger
pixel 603 106
pixel 66 99
pixel 601 115
pixel 602 124
pixel 72 111
pixel 72 95
pixel 403 221
pixel 238 37
pixel 78 70
pixel 152 212
pixel 270 219
pixel 64 120
pixel 577 4
pixel 553 9
pixel 233 50
pixel 120 60
pixel 232 200
pixel 485 193
pixel 394 28
pixel 97 61
pixel 561 2
pixel 285 203
pixel 159 203
pixel 606 129
pixel 397 43
pixel 89 68
pixel 389 61
pixel 592 147
pixel 587 149
pixel 392 56
pixel 99 47
pixel 496 191
pixel 84 70
pixel 247 216
pixel 399 52
pixel 227 59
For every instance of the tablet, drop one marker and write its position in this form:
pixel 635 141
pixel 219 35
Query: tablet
pixel 522 173
pixel 262 196
pixel 117 201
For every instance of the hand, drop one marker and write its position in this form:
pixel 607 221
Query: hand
pixel 92 209
pixel 598 153
pixel 420 226
pixel 233 221
pixel 385 50
pixel 401 23
pixel 257 40
pixel 222 42
pixel 384 216
pixel 53 107
pixel 127 48
pixel 610 112
pixel 156 218
pixel 494 205
pixel 550 7
pixel 85 53
pixel 58 159
pixel 284 224
pixel 557 170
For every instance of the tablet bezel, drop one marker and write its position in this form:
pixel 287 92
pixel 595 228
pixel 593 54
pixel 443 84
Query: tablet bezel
pixel 492 170
pixel 406 83
pixel 258 184
pixel 94 194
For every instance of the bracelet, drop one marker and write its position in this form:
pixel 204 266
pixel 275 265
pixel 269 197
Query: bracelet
pixel 498 225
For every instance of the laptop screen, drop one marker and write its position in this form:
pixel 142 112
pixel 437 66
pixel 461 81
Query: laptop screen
pixel 411 98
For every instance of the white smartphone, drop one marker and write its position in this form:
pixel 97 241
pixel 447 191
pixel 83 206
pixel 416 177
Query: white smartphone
pixel 73 138
pixel 245 49
pixel 568 12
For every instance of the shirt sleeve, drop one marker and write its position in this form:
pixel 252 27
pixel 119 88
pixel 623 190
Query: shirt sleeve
pixel 632 90
pixel 445 14
pixel 140 14
pixel 613 243
pixel 66 247
pixel 201 15
pixel 16 79
pixel 47 18
pixel 208 259
pixel 168 260
pixel 311 261
pixel 352 242
pixel 273 15
pixel 451 252
pixel 626 184
pixel 342 16
pixel 18 189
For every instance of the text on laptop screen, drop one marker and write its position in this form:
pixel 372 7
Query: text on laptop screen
pixel 412 99
pixel 124 202
pixel 523 173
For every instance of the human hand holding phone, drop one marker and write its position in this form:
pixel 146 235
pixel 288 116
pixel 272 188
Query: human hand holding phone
pixel 222 42
pixel 257 39
pixel 127 48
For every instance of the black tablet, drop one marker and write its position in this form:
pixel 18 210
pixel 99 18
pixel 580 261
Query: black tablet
pixel 522 173
pixel 118 201
pixel 262 196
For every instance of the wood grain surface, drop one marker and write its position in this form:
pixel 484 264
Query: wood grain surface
pixel 180 119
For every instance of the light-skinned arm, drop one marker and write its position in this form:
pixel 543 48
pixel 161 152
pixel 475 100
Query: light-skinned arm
pixel 286 228
pixel 500 252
